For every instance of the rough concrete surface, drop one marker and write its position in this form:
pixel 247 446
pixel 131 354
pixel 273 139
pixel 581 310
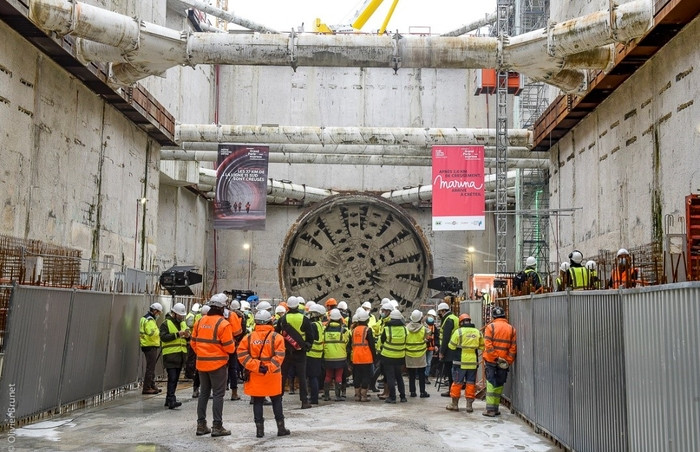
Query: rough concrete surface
pixel 136 422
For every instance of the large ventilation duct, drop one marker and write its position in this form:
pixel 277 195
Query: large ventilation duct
pixel 408 149
pixel 345 135
pixel 463 30
pixel 211 155
pixel 144 49
pixel 393 160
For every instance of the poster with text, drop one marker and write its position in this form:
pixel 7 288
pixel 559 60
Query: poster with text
pixel 241 187
pixel 458 188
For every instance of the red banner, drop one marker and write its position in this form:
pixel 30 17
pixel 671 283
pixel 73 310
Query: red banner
pixel 458 188
pixel 241 187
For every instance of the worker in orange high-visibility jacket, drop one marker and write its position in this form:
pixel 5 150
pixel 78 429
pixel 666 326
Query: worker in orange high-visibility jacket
pixel 499 354
pixel 363 355
pixel 212 341
pixel 261 353
pixel 624 275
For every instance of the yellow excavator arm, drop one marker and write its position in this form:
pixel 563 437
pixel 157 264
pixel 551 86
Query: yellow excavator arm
pixel 361 17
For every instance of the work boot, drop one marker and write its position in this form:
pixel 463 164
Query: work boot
pixel 259 429
pixel 218 429
pixel 234 394
pixel 342 391
pixel 489 413
pixel 202 428
pixel 424 395
pixel 445 394
pixel 326 392
pixel 281 430
pixel 195 393
pixel 470 409
pixel 305 405
pixel 454 406
pixel 338 396
pixel 358 393
pixel 149 391
pixel 363 395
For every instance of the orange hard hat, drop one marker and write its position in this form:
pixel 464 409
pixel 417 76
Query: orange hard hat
pixel 284 305
pixel 331 302
pixel 464 317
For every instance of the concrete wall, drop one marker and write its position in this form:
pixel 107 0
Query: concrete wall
pixel 635 158
pixel 74 167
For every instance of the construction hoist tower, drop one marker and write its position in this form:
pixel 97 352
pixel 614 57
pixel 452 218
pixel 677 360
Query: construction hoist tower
pixel 502 25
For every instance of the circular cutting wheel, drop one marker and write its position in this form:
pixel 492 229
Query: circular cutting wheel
pixel 356 248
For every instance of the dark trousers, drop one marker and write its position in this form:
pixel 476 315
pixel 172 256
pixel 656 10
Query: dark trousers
pixel 412 380
pixel 298 362
pixel 191 364
pixel 446 369
pixel 149 377
pixel 173 375
pixel 361 375
pixel 212 381
pixel 233 371
pixel 392 372
pixel 313 372
pixel 495 375
pixel 276 408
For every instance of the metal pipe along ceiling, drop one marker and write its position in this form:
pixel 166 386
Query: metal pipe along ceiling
pixel 204 153
pixel 345 135
pixel 228 16
pixel 144 49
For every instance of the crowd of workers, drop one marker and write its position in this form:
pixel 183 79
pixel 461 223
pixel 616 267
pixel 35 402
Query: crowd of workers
pixel 575 275
pixel 322 346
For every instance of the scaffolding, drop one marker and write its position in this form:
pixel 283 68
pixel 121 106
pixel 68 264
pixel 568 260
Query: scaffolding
pixel 533 227
pixel 532 15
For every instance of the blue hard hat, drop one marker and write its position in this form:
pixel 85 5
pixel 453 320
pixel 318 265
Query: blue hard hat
pixel 252 298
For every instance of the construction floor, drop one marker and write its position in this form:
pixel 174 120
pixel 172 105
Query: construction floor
pixel 135 422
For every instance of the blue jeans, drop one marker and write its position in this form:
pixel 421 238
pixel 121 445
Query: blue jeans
pixel 428 358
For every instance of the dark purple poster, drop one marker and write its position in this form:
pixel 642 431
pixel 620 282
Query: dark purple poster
pixel 241 187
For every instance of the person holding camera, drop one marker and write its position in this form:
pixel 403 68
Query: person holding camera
pixel 262 353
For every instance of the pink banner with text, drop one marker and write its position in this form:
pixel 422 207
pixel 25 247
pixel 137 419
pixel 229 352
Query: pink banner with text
pixel 458 188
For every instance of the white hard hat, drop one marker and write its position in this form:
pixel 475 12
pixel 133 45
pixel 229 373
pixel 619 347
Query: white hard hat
pixel 591 265
pixel 263 305
pixel 196 307
pixel 564 266
pixel 443 307
pixel 367 305
pixel 219 300
pixel 179 309
pixel 262 316
pixel 245 306
pixel 293 302
pixel 359 309
pixel 394 303
pixel 484 291
pixel 416 316
pixel 387 307
pixel 622 251
pixel 335 314
pixel 432 312
pixel 530 261
pixel 395 315
pixel 301 300
pixel 362 316
pixel 235 304
pixel 343 305
pixel 280 310
pixel 310 303
pixel 205 309
pixel 156 307
pixel 576 256
pixel 385 301
pixel 318 309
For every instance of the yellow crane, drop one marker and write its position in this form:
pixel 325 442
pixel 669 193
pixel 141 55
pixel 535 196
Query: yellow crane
pixel 359 20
